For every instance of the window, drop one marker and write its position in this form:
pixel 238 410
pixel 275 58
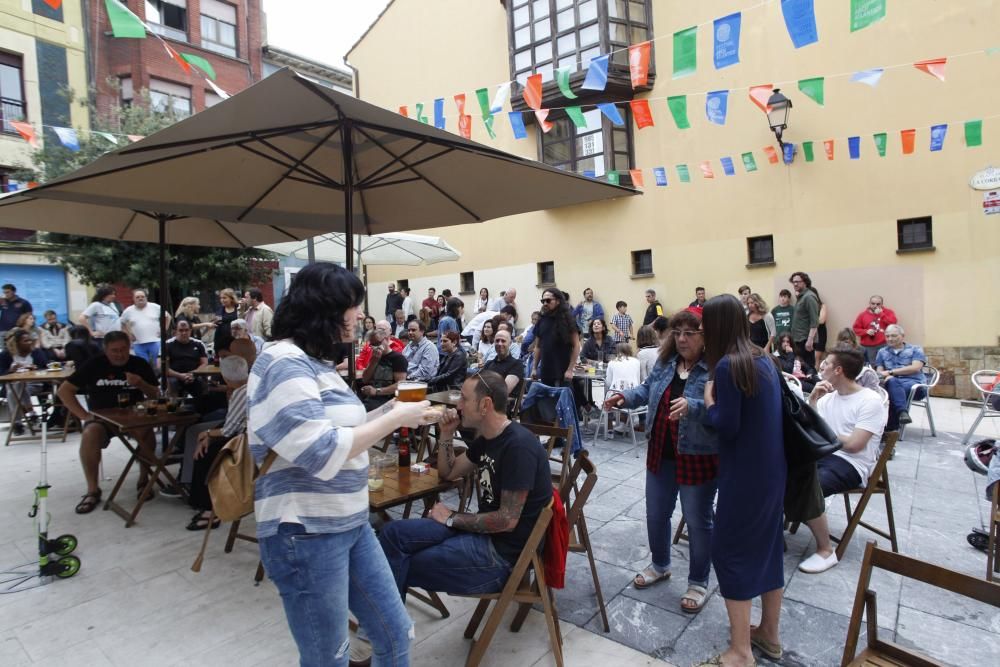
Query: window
pixel 11 91
pixel 760 250
pixel 546 35
pixel 211 99
pixel 642 262
pixel 467 282
pixel 218 27
pixel 167 97
pixel 914 234
pixel 402 284
pixel 546 273
pixel 594 150
pixel 167 18
pixel 125 91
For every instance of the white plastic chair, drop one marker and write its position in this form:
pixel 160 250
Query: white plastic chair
pixel 980 380
pixel 931 377
pixel 794 384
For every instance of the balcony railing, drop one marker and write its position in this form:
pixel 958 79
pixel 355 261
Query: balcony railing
pixel 10 110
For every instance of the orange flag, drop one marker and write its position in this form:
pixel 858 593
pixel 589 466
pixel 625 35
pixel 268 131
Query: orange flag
pixel 464 119
pixel 638 63
pixel 641 114
pixel 772 155
pixel 26 131
pixel 542 116
pixel 934 67
pixel 760 94
pixel 54 4
pixel 403 111
pixel 828 147
pixel 636 175
pixel 184 65
pixel 706 169
pixel 533 92
pixel 907 137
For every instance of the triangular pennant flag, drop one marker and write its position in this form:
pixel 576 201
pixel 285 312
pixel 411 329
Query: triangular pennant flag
pixel 54 4
pixel 533 92
pixel 403 111
pixel 68 138
pixel 465 126
pixel 869 77
pixel 483 95
pixel 807 150
pixel 938 133
pixel 759 95
pixel 420 116
pixel 716 106
pixel 683 174
pixel 135 137
pixel 641 114
pixel 613 178
pixel 576 115
pixel 542 116
pixel 679 110
pixel 934 67
pixel 800 20
pixel 685 52
pixel 880 141
pixel 218 91
pixel 439 119
pixel 517 124
pixel 597 74
pixel 866 12
pixel 706 169
pixel 726 49
pixel 176 57
pixel 636 176
pixel 660 174
pixel 772 155
pixel 201 64
pixel 108 136
pixel 638 63
pixel 749 163
pixel 611 111
pixel 562 80
pixel 788 152
pixel 500 97
pixel 813 89
pixel 828 148
pixel 973 133
pixel 907 138
pixel 123 22
pixel 727 166
pixel 26 131
pixel 854 147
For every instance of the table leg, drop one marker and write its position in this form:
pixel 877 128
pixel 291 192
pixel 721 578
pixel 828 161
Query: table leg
pixel 110 503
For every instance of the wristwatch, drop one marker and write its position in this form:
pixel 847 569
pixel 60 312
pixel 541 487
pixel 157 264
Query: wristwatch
pixel 450 520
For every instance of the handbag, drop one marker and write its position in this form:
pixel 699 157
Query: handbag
pixel 807 437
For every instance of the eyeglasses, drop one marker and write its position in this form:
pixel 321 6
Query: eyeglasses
pixel 486 387
pixel 678 333
pixel 547 300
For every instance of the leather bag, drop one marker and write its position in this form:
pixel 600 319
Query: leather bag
pixel 807 437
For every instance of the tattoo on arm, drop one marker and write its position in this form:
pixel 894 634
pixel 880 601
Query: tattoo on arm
pixel 503 520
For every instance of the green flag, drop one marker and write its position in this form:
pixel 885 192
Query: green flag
pixel 420 112
pixel 683 173
pixel 813 89
pixel 613 178
pixel 880 143
pixel 973 133
pixel 679 109
pixel 748 162
pixel 123 22
pixel 576 115
pixel 562 79
pixel 866 12
pixel 685 52
pixel 807 148
pixel 201 64
pixel 483 95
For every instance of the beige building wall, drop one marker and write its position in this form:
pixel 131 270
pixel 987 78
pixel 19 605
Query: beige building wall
pixel 835 220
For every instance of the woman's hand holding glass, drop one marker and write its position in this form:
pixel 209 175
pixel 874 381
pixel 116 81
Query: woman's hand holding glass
pixel 415 415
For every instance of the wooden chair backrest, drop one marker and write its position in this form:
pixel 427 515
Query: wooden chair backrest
pixel 580 493
pixel 555 432
pixel 515 408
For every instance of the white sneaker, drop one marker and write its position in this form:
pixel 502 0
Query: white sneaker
pixel 816 563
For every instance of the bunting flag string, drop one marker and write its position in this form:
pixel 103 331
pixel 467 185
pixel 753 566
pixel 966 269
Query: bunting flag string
pixel 807 150
pixel 854 147
pixel 869 77
pixel 68 138
pixel 439 119
pixel 800 21
pixel 726 36
pixel 562 80
pixel 26 131
pixel 716 106
pixel 483 96
pixel 934 67
pixel 597 74
pixel 866 12
pixel 813 89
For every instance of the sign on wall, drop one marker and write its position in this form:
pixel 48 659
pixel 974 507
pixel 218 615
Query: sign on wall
pixel 991 202
pixel 987 179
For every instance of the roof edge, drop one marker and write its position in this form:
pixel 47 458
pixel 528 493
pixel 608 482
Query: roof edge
pixel 368 30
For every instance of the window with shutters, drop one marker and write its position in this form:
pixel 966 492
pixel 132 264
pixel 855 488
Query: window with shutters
pixel 11 91
pixel 218 27
pixel 168 18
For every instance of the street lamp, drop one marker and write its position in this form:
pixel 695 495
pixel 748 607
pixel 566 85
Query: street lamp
pixel 777 114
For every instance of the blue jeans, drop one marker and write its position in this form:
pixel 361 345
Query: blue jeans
pixel 662 490
pixel 423 553
pixel 871 352
pixel 148 351
pixel 322 575
pixel 899 393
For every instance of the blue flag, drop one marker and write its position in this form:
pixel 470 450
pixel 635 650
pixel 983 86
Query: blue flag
pixel 716 106
pixel 800 19
pixel 517 124
pixel 726 50
pixel 611 111
pixel 938 133
pixel 660 174
pixel 67 136
pixel 727 166
pixel 789 153
pixel 854 147
pixel 439 113
pixel 597 74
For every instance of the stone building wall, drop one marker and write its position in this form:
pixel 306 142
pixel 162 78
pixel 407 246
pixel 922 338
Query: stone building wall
pixel 957 364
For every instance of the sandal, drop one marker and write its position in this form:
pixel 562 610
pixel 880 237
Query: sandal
pixel 200 522
pixel 717 662
pixel 772 651
pixel 89 502
pixel 696 594
pixel 648 577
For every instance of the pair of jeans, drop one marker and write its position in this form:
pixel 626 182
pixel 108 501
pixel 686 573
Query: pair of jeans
pixel 662 490
pixel 423 553
pixel 898 389
pixel 322 575
pixel 148 351
pixel 871 352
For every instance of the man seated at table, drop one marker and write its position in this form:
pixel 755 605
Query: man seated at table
pixel 453 364
pixel 384 330
pixel 505 364
pixel 103 378
pixel 421 354
pixel 385 370
pixel 184 355
pixel 20 355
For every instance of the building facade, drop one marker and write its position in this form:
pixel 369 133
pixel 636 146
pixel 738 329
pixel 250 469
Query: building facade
pixel 906 226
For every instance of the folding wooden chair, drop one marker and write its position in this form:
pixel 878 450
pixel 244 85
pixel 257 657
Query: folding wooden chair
pixel 579 536
pixel 526 586
pixel 514 411
pixel 235 534
pixel 882 653
pixel 878 483
pixel 554 433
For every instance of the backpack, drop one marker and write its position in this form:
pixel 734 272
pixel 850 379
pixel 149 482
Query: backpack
pixel 230 483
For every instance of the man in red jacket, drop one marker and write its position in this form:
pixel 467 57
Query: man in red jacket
pixel 384 331
pixel 869 327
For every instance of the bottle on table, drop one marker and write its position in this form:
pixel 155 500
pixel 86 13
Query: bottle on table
pixel 404 448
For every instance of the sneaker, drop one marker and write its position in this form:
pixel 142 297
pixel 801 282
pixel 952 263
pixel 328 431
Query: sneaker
pixel 816 563
pixel 18 428
pixel 172 491
pixel 904 417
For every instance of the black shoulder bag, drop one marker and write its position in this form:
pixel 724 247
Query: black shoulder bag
pixel 807 437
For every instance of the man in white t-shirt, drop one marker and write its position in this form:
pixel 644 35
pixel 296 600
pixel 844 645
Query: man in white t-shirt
pixel 857 415
pixel 141 321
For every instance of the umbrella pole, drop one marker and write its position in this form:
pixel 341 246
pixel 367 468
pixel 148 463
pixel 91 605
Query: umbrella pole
pixel 347 147
pixel 164 298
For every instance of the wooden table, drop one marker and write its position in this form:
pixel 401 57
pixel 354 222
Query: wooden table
pixel 16 410
pixel 443 398
pixel 125 420
pixel 207 370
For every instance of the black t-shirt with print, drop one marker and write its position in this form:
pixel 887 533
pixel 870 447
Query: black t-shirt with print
pixel 102 382
pixel 513 461
pixel 507 366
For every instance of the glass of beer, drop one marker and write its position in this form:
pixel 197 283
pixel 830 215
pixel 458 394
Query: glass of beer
pixel 124 399
pixel 411 392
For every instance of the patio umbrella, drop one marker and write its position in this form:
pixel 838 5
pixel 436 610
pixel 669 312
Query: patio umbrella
pixel 397 249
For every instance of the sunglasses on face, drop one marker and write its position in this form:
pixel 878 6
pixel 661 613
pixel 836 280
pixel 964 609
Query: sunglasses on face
pixel 547 300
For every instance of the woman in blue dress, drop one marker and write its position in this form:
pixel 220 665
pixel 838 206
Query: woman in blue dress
pixel 744 406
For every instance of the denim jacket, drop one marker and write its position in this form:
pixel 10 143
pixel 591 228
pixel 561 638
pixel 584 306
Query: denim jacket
pixel 696 437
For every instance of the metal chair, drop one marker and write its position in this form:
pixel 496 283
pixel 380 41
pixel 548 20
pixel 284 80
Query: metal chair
pixel 986 383
pixel 931 377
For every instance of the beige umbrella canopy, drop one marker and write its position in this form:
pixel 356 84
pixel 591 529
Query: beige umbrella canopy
pixel 395 249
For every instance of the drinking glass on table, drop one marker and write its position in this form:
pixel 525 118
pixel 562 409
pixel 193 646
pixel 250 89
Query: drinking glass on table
pixel 124 399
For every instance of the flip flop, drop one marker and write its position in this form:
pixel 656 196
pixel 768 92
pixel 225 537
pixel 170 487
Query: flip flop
pixel 648 577
pixel 696 594
pixel 772 651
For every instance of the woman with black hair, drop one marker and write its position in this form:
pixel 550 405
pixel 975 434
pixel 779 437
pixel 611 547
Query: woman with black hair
pixel 599 345
pixel 311 505
pixel 450 319
pixel 557 341
pixel 100 316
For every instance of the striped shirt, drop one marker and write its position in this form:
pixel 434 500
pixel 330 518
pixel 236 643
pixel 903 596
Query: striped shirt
pixel 302 409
